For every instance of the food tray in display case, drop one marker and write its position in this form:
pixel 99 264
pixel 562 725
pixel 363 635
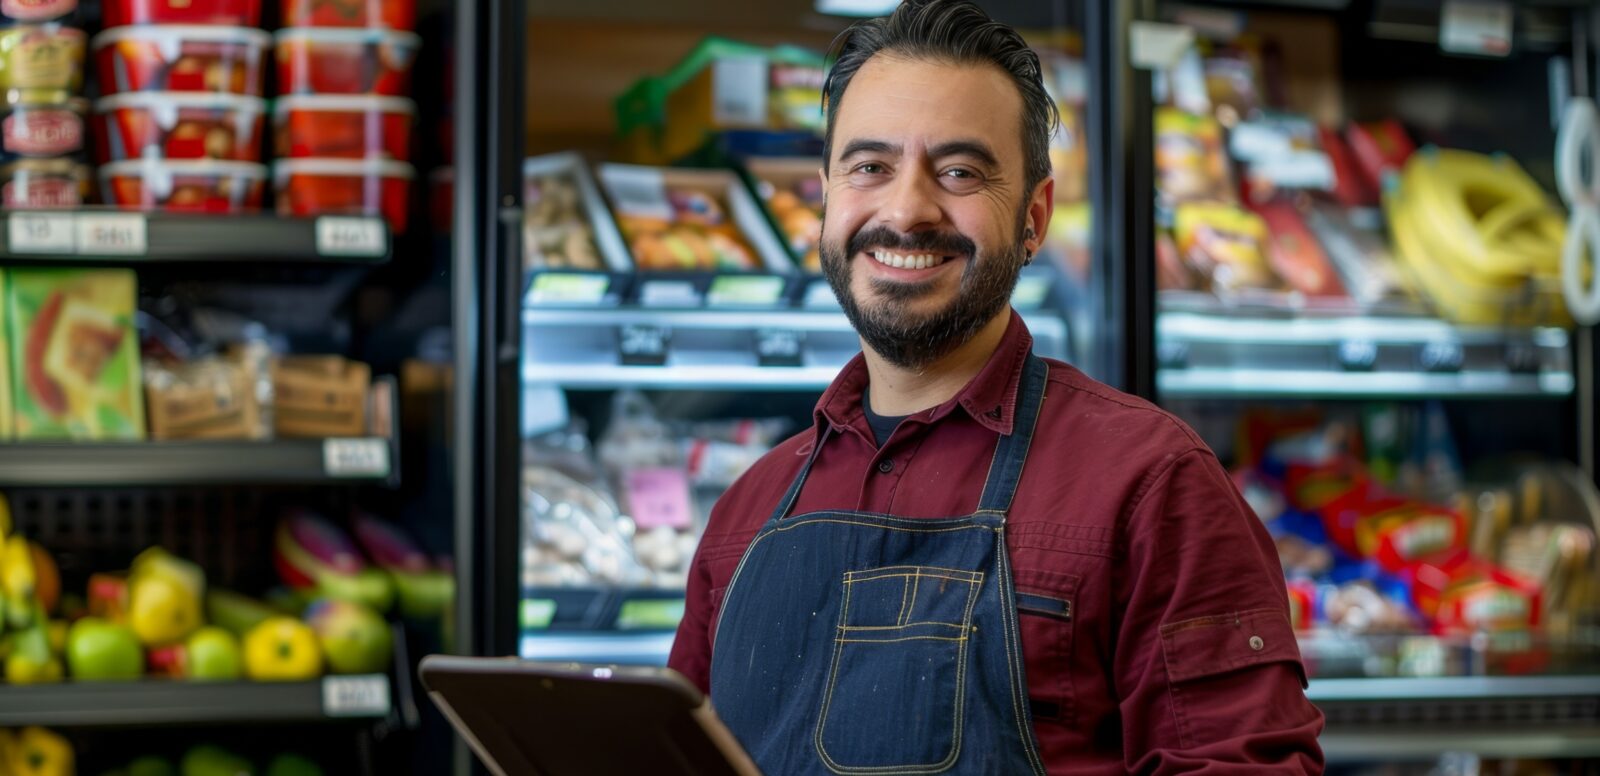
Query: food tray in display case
pixel 572 252
pixel 697 238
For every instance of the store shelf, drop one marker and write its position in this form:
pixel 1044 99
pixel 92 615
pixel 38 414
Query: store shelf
pixel 599 647
pixel 121 238
pixel 1453 688
pixel 284 461
pixel 726 350
pixel 1391 745
pixel 1218 355
pixel 179 703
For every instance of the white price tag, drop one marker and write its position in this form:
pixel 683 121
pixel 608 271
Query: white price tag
pixel 41 233
pixel 366 457
pixel 108 234
pixel 739 86
pixel 1480 27
pixel 347 236
pixel 365 695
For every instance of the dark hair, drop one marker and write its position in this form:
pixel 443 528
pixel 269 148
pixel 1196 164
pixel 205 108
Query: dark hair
pixel 956 32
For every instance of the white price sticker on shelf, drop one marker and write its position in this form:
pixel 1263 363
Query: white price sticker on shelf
pixel 41 233
pixel 112 234
pixel 1481 27
pixel 367 457
pixel 364 695
pixel 348 236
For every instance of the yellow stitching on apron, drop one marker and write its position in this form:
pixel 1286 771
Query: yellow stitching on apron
pixel 906 638
pixel 898 627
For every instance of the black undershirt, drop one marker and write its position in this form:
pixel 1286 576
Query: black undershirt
pixel 882 426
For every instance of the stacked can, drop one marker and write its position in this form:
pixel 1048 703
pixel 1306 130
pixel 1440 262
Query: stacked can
pixel 343 122
pixel 41 116
pixel 182 120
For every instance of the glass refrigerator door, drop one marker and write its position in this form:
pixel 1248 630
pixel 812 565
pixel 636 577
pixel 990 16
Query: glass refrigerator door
pixel 674 323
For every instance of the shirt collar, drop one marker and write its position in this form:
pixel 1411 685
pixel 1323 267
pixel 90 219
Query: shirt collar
pixel 990 398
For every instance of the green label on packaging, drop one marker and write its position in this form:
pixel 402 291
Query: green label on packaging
pixel 745 291
pixel 536 613
pixel 650 613
pixel 568 288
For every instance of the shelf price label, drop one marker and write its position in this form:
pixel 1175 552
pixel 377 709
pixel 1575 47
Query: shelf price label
pixel 362 695
pixel 347 236
pixel 365 457
pixel 568 288
pixel 745 291
pixel 643 344
pixel 1358 355
pixel 780 347
pixel 112 234
pixel 41 233
pixel 1442 356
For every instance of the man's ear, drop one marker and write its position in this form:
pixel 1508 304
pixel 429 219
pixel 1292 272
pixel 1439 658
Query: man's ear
pixel 1041 204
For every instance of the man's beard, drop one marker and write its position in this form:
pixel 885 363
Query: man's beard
pixel 911 340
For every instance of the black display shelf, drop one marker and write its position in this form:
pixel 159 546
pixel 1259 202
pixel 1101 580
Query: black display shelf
pixel 153 703
pixel 111 237
pixel 284 461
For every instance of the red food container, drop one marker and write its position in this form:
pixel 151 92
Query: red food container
pixel 190 186
pixel 393 14
pixel 346 61
pixel 233 13
pixel 186 58
pixel 344 126
pixel 42 130
pixel 357 187
pixel 43 184
pixel 180 125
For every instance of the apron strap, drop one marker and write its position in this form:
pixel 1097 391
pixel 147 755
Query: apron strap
pixel 1005 471
pixel 786 504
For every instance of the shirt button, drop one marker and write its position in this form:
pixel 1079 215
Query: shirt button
pixel 886 465
pixel 1257 644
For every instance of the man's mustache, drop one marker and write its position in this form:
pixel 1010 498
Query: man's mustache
pixel 936 243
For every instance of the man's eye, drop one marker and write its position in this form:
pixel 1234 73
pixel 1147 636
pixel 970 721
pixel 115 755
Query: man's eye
pixel 870 168
pixel 960 174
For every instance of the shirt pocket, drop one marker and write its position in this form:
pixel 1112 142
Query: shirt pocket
pixel 1045 618
pixel 1208 662
pixel 897 681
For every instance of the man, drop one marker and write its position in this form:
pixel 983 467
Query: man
pixel 978 561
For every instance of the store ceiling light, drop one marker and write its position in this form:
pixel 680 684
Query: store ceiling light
pixel 856 7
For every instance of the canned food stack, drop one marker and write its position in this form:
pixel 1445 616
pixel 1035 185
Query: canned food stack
pixel 182 115
pixel 343 122
pixel 41 120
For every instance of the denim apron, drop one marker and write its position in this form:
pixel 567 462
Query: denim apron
pixel 857 643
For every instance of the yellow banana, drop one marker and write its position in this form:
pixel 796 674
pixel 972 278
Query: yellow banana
pixel 18 581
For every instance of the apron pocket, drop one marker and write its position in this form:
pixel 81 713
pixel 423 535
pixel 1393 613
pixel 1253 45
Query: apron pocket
pixel 896 688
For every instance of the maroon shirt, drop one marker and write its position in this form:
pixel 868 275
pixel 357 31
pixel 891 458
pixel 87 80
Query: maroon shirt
pixel 1178 655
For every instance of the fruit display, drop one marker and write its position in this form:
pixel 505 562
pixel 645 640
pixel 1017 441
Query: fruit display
pixel 392 14
pixel 792 193
pixel 41 130
pixel 193 186
pixel 181 58
pixel 74 354
pixel 36 751
pixel 689 220
pixel 180 125
pixel 334 186
pixel 344 126
pixel 227 13
pixel 312 554
pixel 213 759
pixel 346 61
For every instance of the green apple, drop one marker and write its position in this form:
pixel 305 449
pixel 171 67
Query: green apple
pixel 370 586
pixel 208 760
pixel 151 766
pixel 355 639
pixel 97 649
pixel 292 765
pixel 214 654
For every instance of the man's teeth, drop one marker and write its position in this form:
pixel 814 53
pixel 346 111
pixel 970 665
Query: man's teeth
pixel 913 261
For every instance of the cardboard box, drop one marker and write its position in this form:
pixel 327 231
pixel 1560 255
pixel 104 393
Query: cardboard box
pixel 212 398
pixel 74 354
pixel 319 396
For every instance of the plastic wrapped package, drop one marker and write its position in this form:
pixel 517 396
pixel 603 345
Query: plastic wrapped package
pixel 1190 164
pixel 213 397
pixel 574 534
pixel 651 478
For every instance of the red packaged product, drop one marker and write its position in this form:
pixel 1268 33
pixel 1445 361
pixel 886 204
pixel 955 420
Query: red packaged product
pixel 356 187
pixel 181 58
pixel 43 184
pixel 1294 253
pixel 1462 593
pixel 1350 187
pixel 180 125
pixel 1302 595
pixel 1379 146
pixel 344 126
pixel 346 61
pixel 42 130
pixel 189 186
pixel 233 13
pixel 393 14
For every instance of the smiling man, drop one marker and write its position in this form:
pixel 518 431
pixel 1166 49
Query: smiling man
pixel 977 560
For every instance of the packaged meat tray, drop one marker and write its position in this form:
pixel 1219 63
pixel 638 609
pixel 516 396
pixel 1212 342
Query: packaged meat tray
pixel 344 126
pixel 186 186
pixel 180 58
pixel 346 61
pixel 357 187
pixel 231 13
pixel 180 125
pixel 41 130
pixel 393 14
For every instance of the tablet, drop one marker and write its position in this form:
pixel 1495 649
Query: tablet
pixel 528 718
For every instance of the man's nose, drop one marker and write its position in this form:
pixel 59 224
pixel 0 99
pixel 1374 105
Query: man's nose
pixel 910 203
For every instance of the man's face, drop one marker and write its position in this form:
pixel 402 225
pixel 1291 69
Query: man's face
pixel 922 237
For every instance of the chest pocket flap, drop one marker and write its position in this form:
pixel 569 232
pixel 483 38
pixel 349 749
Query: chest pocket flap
pixel 1219 644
